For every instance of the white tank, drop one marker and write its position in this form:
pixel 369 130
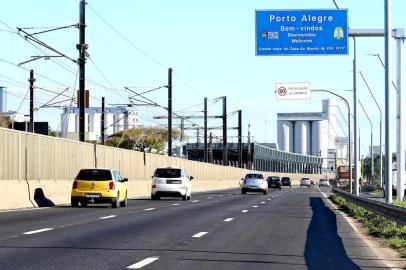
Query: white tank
pixel 285 135
pixel 302 137
pixel 316 138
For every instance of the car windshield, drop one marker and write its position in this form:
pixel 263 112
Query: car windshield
pixel 323 181
pixel 254 176
pixel 94 175
pixel 273 178
pixel 167 173
pixel 305 179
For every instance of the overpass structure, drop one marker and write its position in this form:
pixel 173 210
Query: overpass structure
pixel 261 157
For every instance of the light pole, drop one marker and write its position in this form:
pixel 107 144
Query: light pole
pixel 380 127
pixel 372 144
pixel 349 130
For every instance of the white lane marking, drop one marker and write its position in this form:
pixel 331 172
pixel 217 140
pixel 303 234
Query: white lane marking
pixel 255 206
pixel 143 263
pixel 149 209
pixel 221 195
pixel 39 231
pixel 195 201
pixel 107 217
pixel 268 199
pixel 229 194
pixel 276 195
pixel 175 204
pixel 200 234
pixel 263 202
pixel 244 211
pixel 210 198
pixel 228 219
pixel 325 196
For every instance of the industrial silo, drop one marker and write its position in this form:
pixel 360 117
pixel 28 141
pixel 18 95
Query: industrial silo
pixel 302 137
pixel 285 135
pixel 316 138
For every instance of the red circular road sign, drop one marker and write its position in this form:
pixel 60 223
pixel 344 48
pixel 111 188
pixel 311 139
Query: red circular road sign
pixel 282 91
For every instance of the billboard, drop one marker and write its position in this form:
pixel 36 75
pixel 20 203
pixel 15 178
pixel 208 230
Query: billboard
pixel 301 32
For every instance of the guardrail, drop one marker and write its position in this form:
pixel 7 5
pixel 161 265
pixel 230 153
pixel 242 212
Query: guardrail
pixel 393 212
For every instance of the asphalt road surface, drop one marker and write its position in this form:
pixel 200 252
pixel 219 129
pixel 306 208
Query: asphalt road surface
pixel 287 229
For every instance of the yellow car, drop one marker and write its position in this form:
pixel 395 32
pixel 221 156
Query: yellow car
pixel 99 186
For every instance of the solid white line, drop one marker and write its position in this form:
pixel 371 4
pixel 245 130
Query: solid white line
pixel 143 263
pixel 149 209
pixel 174 204
pixel 200 234
pixel 39 231
pixel 195 201
pixel 244 211
pixel 106 217
pixel 255 206
pixel 228 219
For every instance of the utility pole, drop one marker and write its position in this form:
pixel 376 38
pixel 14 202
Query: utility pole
pixel 170 112
pixel 182 129
pixel 388 98
pixel 249 149
pixel 31 80
pixel 225 148
pixel 355 100
pixel 102 123
pixel 240 138
pixel 205 130
pixel 211 148
pixel 82 47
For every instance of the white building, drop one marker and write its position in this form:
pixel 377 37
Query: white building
pixel 115 119
pixel 3 99
pixel 309 133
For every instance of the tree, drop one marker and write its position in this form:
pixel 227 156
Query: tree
pixel 4 121
pixel 142 138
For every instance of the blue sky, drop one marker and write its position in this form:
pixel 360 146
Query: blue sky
pixel 209 44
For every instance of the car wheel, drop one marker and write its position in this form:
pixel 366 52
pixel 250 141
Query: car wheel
pixel 74 202
pixel 83 203
pixel 280 188
pixel 189 197
pixel 125 202
pixel 265 192
pixel 184 198
pixel 243 192
pixel 116 202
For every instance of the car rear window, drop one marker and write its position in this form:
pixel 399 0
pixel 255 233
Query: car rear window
pixel 94 175
pixel 254 176
pixel 285 178
pixel 167 173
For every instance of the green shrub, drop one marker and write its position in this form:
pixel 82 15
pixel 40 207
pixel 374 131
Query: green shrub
pixel 377 225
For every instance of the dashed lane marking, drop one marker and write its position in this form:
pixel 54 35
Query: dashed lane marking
pixel 149 209
pixel 200 234
pixel 263 202
pixel 244 211
pixel 175 204
pixel 39 231
pixel 228 219
pixel 143 263
pixel 210 198
pixel 268 199
pixel 255 206
pixel 107 217
pixel 195 201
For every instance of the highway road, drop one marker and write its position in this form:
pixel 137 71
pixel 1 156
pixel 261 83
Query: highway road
pixel 287 229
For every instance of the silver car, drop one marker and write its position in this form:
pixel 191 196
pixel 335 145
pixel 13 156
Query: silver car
pixel 305 182
pixel 254 182
pixel 324 183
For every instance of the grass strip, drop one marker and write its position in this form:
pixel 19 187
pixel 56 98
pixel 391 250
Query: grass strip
pixel 377 225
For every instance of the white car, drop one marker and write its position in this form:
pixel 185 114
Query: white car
pixel 305 182
pixel 254 182
pixel 171 182
pixel 324 183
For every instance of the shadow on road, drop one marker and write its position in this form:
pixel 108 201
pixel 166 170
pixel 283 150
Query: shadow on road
pixel 324 248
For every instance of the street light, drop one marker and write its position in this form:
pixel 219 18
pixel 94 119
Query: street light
pixel 372 144
pixel 349 130
pixel 383 65
pixel 380 126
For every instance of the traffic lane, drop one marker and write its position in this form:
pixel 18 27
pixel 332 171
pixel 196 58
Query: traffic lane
pixel 13 223
pixel 126 239
pixel 295 231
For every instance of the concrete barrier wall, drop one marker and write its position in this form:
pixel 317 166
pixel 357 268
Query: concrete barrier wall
pixel 38 170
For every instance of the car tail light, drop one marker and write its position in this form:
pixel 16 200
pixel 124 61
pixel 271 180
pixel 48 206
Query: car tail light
pixel 112 185
pixel 75 184
pixel 154 186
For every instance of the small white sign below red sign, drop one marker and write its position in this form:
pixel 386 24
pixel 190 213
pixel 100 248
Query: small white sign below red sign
pixel 296 90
